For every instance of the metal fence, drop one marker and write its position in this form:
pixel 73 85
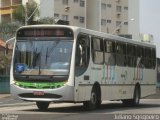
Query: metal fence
pixel 4 84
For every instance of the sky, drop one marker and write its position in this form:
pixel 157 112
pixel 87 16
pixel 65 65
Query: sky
pixel 150 20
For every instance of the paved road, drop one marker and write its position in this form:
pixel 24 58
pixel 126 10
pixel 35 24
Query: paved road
pixel 6 99
pixel 11 109
pixel 149 108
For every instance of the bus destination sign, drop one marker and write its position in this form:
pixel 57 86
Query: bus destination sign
pixel 45 32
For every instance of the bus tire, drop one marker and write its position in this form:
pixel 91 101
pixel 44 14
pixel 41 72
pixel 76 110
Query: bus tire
pixel 136 98
pixel 42 105
pixel 92 103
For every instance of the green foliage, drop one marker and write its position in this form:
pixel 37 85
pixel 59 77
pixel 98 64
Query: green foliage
pixel 7 30
pixel 32 12
pixel 46 20
pixel 4 61
pixel 19 14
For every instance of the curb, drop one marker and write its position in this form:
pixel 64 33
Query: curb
pixel 17 104
pixel 4 96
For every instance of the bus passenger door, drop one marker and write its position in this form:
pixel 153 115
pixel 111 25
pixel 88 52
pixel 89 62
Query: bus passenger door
pixel 82 69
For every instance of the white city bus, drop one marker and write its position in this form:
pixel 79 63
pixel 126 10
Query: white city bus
pixel 56 63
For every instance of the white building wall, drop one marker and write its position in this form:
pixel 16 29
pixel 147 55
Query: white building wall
pixel 46 8
pixel 134 26
pixel 93 14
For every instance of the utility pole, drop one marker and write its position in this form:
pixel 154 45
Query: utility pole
pixel 118 27
pixel 26 16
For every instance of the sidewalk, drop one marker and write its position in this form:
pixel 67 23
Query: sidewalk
pixel 6 100
pixel 155 96
pixel 4 96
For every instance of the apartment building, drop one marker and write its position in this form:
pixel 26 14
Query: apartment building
pixel 113 14
pixel 101 15
pixel 6 9
pixel 73 11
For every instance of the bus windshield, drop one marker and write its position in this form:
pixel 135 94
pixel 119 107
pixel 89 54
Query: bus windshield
pixel 42 57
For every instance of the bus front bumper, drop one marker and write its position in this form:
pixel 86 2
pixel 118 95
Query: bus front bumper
pixel 62 94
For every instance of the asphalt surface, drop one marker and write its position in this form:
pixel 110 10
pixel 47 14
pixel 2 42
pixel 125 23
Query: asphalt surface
pixel 7 100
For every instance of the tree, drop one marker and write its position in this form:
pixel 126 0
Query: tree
pixel 19 14
pixel 46 20
pixel 7 30
pixel 27 13
pixel 4 61
pixel 32 12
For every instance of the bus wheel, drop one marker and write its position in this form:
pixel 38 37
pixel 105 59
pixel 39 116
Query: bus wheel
pixel 92 104
pixel 42 105
pixel 135 100
pixel 136 97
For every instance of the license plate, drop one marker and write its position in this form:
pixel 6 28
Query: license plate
pixel 39 93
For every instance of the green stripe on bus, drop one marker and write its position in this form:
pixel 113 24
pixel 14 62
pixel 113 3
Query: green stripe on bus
pixel 37 85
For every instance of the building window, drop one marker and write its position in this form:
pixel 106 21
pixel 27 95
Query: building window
pixel 76 17
pixel 103 6
pixel 125 8
pixel 56 15
pixel 65 2
pixel 103 22
pixel 109 21
pixel 109 5
pixel 125 23
pixel 14 2
pixel 119 8
pixel 65 17
pixel 82 3
pixel 81 19
pixel 118 1
pixel 75 1
pixel 118 23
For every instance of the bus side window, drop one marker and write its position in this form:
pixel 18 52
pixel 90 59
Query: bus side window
pixel 82 54
pixel 121 59
pixel 140 61
pixel 109 52
pixel 153 58
pixel 131 55
pixel 148 56
pixel 97 50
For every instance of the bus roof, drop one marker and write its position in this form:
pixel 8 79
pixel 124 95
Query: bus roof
pixel 95 33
